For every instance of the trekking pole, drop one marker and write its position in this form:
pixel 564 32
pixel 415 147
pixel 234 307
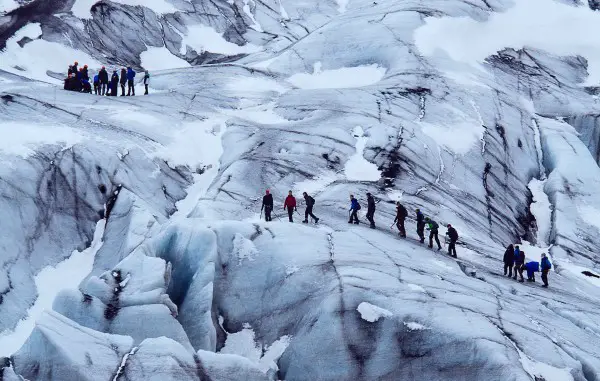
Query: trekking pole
pixel 392 227
pixel 260 217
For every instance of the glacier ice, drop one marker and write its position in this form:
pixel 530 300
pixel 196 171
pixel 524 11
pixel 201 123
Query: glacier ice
pixel 497 136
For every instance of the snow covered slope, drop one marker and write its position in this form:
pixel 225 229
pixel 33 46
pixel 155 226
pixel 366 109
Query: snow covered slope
pixel 441 104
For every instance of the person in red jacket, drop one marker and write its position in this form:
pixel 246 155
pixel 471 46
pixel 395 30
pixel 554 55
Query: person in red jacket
pixel 290 205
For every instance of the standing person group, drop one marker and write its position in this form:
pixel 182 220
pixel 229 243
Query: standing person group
pixel 78 80
pixel 514 259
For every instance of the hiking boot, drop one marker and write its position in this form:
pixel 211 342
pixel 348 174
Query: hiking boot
pixel 356 222
pixel 545 285
pixel 305 221
pixel 439 248
pixel 521 280
pixel 429 246
pixel 316 220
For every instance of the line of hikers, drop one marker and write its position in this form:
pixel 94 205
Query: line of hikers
pixel 290 205
pixel 78 79
pixel 514 259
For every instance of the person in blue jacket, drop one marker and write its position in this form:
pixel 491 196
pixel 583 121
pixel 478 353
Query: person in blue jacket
pixel 532 268
pixel 354 208
pixel 546 266
pixel 519 263
pixel 130 78
pixel 96 84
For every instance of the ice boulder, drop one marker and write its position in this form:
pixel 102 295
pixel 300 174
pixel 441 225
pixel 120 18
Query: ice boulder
pixel 61 349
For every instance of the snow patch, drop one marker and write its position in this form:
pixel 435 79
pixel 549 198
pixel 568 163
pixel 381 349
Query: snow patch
pixel 8 5
pixel 317 183
pixel 161 59
pixel 243 344
pixel 539 370
pixel 273 353
pixel 255 25
pixel 342 5
pixel 542 211
pixel 459 137
pixel 343 78
pixel 21 139
pixel 372 313
pixel 244 248
pixel 414 326
pixel 204 38
pixel 39 56
pixel 82 8
pixel 357 168
pixel 563 30
pixel 590 215
pixel 49 282
pixel 196 144
pixel 415 287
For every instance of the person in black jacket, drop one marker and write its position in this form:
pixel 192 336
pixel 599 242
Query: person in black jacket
pixel 453 235
pixel 401 215
pixel 84 73
pixel 103 79
pixel 310 202
pixel 123 81
pixel 267 205
pixel 421 225
pixel 114 83
pixel 371 210
pixel 509 260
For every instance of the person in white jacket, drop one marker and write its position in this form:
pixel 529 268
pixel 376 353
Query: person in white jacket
pixel 146 81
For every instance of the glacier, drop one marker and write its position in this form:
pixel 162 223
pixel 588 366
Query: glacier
pixel 151 205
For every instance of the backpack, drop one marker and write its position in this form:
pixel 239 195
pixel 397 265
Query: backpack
pixel 403 211
pixel 434 225
pixel 310 201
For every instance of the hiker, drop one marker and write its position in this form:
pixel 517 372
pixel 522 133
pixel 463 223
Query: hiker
pixel 73 68
pixel 354 208
pixel 546 266
pixel 310 202
pixel 130 84
pixel 401 215
pixel 519 264
pixel 370 210
pixel 96 84
pixel 114 81
pixel 519 257
pixel 146 81
pixel 123 81
pixel 453 235
pixel 509 260
pixel 267 205
pixel 421 225
pixel 290 205
pixel 67 85
pixel 433 228
pixel 86 87
pixel 532 268
pixel 85 75
pixel 103 78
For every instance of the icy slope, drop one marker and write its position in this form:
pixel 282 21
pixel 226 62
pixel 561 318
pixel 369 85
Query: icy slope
pixel 189 284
